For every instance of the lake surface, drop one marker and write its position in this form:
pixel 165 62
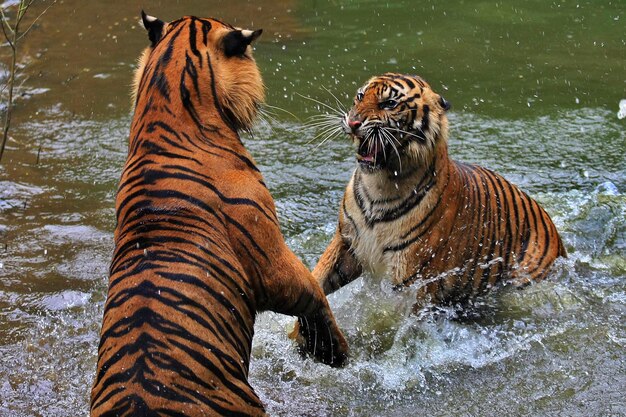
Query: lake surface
pixel 535 87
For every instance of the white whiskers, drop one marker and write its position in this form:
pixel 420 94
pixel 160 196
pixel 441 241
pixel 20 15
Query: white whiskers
pixel 328 124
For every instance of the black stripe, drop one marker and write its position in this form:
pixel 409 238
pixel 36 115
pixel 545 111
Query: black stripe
pixel 247 161
pixel 539 262
pixel 476 202
pixel 407 243
pixel 205 181
pixel 510 211
pixel 494 226
pixel 230 412
pixel 347 216
pixel 192 41
pixel 357 197
pixel 146 203
pixel 409 82
pixel 190 69
pixel 407 205
pixel 247 235
pixel 153 126
pixel 159 81
pixel 206 27
pixel 216 102
pixel 526 229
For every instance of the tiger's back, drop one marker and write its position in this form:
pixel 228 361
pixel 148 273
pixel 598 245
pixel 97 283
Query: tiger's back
pixel 489 230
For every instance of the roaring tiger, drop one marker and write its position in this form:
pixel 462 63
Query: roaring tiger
pixel 198 249
pixel 450 229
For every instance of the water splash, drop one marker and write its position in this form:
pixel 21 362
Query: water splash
pixel 622 109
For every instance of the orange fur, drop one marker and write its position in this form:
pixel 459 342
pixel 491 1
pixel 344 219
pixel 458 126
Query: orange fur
pixel 198 247
pixel 411 213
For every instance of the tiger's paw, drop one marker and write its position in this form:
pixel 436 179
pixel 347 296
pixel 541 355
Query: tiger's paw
pixel 322 339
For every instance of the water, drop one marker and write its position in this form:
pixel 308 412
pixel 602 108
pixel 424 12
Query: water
pixel 535 88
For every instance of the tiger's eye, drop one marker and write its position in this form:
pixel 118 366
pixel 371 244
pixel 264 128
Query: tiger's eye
pixel 388 104
pixel 359 96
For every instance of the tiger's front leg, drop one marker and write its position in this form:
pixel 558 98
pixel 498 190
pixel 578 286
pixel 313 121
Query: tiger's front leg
pixel 294 291
pixel 336 268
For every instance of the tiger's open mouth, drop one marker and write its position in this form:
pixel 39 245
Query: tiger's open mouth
pixel 371 153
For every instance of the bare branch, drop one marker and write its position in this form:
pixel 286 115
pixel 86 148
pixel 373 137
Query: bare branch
pixel 13 35
pixel 6 26
pixel 23 7
pixel 35 21
pixel 18 19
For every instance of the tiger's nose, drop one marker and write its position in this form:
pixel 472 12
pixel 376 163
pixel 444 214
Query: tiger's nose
pixel 354 125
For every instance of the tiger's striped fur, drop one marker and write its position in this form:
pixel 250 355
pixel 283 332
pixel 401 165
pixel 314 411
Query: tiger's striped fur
pixel 198 249
pixel 409 211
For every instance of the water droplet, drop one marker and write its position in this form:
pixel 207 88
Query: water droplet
pixel 622 109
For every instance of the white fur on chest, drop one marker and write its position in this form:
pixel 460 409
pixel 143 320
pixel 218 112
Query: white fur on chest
pixel 368 242
pixel 369 248
pixel 371 243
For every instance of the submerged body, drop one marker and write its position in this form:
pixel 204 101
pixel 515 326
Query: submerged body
pixel 198 248
pixel 451 229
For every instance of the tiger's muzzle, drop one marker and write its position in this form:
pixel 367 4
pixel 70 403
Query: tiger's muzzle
pixel 373 143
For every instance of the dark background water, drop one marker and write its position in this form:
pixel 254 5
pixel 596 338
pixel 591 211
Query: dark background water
pixel 535 87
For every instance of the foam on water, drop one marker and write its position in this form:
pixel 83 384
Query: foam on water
pixel 556 344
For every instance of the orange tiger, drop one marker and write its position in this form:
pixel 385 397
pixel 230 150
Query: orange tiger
pixel 198 248
pixel 449 228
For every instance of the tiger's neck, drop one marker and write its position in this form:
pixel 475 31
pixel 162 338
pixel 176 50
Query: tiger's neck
pixel 177 99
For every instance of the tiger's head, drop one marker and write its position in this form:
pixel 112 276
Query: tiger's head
pixel 397 121
pixel 205 60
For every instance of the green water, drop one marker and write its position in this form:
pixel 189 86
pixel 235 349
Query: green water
pixel 535 87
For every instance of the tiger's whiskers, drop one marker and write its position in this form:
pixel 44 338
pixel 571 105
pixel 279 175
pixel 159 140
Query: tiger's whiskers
pixel 390 139
pixel 279 109
pixel 340 106
pixel 328 124
pixel 327 106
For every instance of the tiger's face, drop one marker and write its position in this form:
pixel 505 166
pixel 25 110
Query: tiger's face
pixel 396 123
pixel 227 70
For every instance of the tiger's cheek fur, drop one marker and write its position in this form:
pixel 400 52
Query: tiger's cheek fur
pixel 234 89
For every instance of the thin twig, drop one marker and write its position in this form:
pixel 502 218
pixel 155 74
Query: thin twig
pixel 35 21
pixel 6 26
pixel 13 36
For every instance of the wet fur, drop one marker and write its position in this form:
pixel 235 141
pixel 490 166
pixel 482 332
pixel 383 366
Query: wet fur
pixel 452 230
pixel 198 248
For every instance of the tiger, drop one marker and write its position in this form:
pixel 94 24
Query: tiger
pixel 448 229
pixel 198 249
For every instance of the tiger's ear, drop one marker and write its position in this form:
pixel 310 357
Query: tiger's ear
pixel 154 27
pixel 236 41
pixel 445 104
